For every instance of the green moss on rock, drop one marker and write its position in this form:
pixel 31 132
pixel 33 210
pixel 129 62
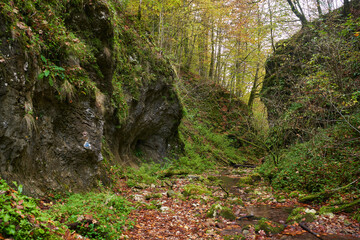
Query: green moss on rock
pixel 219 210
pixel 153 195
pixel 249 180
pixel 302 215
pixel 195 191
pixel 269 226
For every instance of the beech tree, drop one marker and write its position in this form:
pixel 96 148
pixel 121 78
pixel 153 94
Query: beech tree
pixel 225 41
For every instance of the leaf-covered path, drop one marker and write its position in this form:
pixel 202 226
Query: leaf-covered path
pixel 195 207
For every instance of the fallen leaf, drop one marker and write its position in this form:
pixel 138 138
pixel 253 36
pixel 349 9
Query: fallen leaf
pixel 21 25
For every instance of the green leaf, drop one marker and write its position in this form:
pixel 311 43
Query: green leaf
pixel 41 76
pixel 20 188
pixel 51 82
pixel 46 72
pixel 59 68
pixel 6 218
pixel 43 59
pixel 11 230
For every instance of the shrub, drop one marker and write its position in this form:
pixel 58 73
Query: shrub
pixel 20 217
pixel 328 160
pixel 94 215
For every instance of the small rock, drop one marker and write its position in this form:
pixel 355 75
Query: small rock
pixel 209 223
pixel 194 177
pixel 141 186
pixel 139 198
pixel 205 198
pixel 220 225
pixel 245 232
pixel 170 193
pixel 329 215
pixel 307 210
pixel 164 209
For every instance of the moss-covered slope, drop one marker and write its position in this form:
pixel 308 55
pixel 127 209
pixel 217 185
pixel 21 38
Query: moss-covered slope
pixel 216 128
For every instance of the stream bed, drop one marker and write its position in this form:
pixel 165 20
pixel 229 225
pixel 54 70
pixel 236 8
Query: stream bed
pixel 276 214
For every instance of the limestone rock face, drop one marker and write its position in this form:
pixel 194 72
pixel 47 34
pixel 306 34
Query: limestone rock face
pixel 47 142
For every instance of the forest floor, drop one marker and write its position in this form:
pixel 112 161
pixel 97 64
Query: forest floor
pixel 195 207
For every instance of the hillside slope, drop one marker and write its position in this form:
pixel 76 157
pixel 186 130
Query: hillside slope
pixel 216 126
pixel 312 93
pixel 314 77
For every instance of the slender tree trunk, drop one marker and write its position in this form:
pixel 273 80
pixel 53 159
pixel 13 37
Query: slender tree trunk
pixel 253 91
pixel 180 50
pixel 218 57
pixel 271 27
pixel 244 69
pixel 203 46
pixel 300 8
pixel 300 15
pixel 319 7
pixel 202 52
pixel 139 10
pixel 212 58
pixel 201 56
pixel 190 54
pixel 160 37
pixel 346 7
pixel 254 87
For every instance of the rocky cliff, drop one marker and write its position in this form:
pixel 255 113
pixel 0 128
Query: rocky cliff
pixel 312 80
pixel 79 88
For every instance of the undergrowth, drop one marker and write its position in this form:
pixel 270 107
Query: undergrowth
pixel 20 216
pixel 93 215
pixel 96 215
pixel 329 160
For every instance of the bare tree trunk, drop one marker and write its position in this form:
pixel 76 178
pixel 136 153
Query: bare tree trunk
pixel 271 27
pixel 300 8
pixel 139 10
pixel 190 54
pixel 212 59
pixel 299 14
pixel 346 7
pixel 253 91
pixel 218 57
pixel 319 7
pixel 160 37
